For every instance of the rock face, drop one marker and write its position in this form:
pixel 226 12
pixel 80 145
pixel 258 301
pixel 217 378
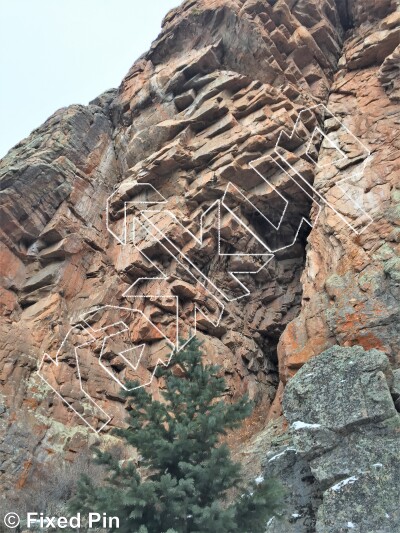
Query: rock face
pixel 342 468
pixel 351 282
pixel 184 200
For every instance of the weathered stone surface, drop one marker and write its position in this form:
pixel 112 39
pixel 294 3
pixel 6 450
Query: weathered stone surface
pixel 217 88
pixel 194 107
pixel 363 382
pixel 344 432
pixel 350 282
pixel 389 74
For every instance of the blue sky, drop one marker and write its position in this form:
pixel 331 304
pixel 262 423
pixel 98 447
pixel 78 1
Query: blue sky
pixel 55 53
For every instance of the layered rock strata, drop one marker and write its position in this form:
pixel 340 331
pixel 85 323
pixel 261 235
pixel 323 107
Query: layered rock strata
pixel 151 205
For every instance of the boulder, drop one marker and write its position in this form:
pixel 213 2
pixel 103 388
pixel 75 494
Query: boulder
pixel 344 431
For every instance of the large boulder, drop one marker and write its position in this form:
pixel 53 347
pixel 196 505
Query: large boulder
pixel 345 441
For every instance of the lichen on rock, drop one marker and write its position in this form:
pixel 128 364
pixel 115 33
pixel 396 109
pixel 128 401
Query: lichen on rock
pixel 284 114
pixel 346 447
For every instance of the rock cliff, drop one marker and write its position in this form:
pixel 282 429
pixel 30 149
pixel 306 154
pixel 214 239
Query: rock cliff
pixel 242 182
pixel 351 283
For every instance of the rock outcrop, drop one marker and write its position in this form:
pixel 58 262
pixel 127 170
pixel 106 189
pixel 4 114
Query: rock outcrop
pixel 342 468
pixel 184 199
pixel 351 282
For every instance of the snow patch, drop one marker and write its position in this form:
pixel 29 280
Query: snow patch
pixel 350 525
pixel 259 480
pixel 343 483
pixel 282 453
pixel 296 515
pixel 300 425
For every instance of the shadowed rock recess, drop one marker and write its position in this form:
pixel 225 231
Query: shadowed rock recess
pixel 198 123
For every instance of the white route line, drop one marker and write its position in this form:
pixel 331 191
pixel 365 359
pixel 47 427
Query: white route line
pixel 364 149
pixel 182 257
pixel 185 262
pixel 90 332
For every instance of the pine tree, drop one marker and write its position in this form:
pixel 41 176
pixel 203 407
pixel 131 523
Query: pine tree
pixel 185 472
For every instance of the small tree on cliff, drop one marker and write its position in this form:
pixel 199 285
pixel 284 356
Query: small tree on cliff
pixel 185 472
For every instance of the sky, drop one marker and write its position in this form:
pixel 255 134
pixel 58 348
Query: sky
pixel 55 53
